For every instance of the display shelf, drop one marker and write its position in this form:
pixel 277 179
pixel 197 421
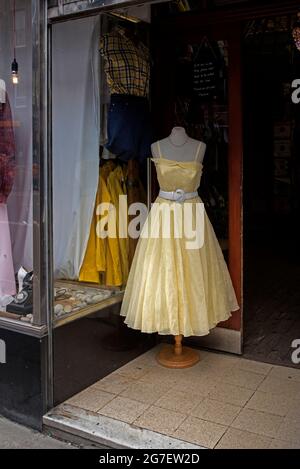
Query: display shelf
pixel 14 322
pixel 4 314
pixel 70 317
pixel 90 288
pixel 8 323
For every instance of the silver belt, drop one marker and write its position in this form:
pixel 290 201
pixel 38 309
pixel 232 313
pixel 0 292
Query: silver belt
pixel 178 196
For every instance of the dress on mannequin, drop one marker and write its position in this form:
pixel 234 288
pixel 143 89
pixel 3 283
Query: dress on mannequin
pixel 173 289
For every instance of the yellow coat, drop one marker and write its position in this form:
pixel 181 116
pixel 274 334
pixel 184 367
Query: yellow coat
pixel 104 262
pixel 116 187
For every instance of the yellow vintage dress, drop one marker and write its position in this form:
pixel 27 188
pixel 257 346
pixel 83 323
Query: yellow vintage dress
pixel 172 289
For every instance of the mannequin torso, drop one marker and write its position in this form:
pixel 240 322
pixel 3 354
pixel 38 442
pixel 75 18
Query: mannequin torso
pixel 180 146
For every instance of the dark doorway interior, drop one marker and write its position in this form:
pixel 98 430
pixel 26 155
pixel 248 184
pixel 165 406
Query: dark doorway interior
pixel 271 196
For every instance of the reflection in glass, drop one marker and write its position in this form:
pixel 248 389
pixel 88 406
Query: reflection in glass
pixel 16 247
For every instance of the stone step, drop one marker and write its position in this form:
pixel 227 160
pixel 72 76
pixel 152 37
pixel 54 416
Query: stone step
pixel 81 427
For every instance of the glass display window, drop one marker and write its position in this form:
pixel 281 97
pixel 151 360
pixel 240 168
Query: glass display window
pixel 16 162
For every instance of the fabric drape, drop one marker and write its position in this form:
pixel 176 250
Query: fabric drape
pixel 76 134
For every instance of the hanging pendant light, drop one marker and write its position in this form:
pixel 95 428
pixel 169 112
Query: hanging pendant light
pixel 296 32
pixel 15 72
pixel 14 65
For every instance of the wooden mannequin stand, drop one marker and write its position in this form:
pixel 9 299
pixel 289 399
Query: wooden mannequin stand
pixel 177 356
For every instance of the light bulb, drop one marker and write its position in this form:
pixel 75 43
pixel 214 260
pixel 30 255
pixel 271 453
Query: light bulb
pixel 15 72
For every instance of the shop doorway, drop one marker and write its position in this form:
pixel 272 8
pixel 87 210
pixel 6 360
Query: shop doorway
pixel 84 331
pixel 197 85
pixel 271 191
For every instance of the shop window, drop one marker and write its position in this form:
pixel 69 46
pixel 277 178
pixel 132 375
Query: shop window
pixel 16 246
pixel 89 166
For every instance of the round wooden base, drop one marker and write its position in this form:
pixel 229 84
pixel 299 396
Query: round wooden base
pixel 167 357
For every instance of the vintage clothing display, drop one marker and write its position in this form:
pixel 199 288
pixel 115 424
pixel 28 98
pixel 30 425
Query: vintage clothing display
pixel 127 63
pixel 7 151
pixel 7 174
pixel 127 69
pixel 129 128
pixel 172 289
pixel 106 259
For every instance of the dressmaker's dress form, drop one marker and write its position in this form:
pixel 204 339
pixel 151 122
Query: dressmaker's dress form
pixel 171 289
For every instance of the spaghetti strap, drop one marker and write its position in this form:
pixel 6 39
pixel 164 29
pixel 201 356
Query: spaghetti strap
pixel 159 150
pixel 197 152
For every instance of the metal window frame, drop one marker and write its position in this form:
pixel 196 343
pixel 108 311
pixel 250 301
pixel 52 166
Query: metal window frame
pixel 68 8
pixel 42 206
pixel 42 188
pixel 43 210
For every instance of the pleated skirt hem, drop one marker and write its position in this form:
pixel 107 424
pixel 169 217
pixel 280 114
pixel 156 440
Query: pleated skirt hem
pixel 184 333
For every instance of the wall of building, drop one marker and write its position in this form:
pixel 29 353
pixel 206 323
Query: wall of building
pixel 22 396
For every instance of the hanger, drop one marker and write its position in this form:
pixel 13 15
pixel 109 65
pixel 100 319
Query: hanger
pixel 120 21
pixel 205 42
pixel 131 28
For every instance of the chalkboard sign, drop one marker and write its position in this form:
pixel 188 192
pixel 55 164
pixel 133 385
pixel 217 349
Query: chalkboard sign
pixel 205 71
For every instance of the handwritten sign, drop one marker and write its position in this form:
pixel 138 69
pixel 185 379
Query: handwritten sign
pixel 205 78
pixel 205 70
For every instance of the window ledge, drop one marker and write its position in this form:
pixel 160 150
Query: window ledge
pixel 16 325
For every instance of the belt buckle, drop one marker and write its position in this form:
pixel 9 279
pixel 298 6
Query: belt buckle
pixel 180 195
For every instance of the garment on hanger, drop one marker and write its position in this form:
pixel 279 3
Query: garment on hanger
pixel 172 289
pixel 127 65
pixel 106 260
pixel 127 68
pixel 129 127
pixel 116 187
pixel 7 173
pixel 7 277
pixel 109 247
pixel 7 151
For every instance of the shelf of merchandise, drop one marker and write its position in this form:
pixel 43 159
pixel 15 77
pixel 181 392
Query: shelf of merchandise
pixel 115 298
pixel 70 317
pixel 13 321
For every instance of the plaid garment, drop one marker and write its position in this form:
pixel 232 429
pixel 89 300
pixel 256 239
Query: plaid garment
pixel 127 65
pixel 7 152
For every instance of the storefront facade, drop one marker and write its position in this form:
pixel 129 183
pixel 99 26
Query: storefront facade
pixel 47 357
